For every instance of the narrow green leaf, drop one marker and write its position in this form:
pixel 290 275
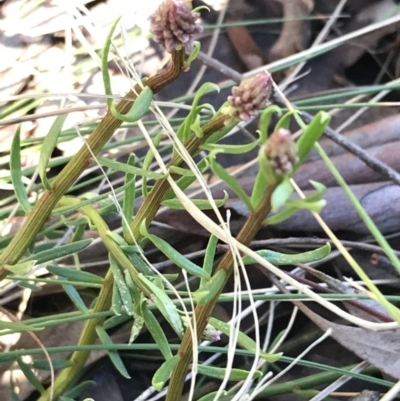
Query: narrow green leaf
pixel 73 294
pixel 128 203
pixel 196 49
pixel 139 108
pixel 118 166
pixel 165 306
pixel 21 268
pixel 264 177
pixel 164 372
pixel 155 330
pixel 116 301
pixel 25 284
pixel 49 143
pixel 211 396
pixel 16 327
pixel 76 275
pixel 230 149
pixel 284 122
pixel 185 172
pixel 114 355
pixel 123 288
pixel 116 320
pixel 243 339
pixel 230 180
pixel 173 255
pixel 313 202
pixel 210 289
pixel 281 194
pixel 278 258
pixel 104 63
pixel 265 118
pixel 220 373
pixel 137 327
pixel 186 181
pixel 16 172
pixel 185 129
pixel 59 252
pixel 13 394
pixel 58 364
pixel 202 204
pixel 75 392
pixel 80 230
pixel 208 262
pixel 311 134
pixel 26 370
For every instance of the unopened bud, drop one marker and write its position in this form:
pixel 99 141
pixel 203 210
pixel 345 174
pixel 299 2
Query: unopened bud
pixel 251 96
pixel 174 23
pixel 281 151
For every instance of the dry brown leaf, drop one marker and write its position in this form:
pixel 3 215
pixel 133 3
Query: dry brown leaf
pixel 379 348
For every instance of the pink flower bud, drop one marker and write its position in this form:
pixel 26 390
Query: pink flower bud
pixel 174 23
pixel 281 151
pixel 250 96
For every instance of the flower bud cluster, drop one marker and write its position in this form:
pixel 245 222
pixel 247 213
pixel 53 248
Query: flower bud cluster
pixel 281 151
pixel 250 97
pixel 174 24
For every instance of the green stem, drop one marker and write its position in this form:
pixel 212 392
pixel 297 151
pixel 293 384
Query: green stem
pixel 103 132
pixel 103 302
pixel 202 313
pixel 151 204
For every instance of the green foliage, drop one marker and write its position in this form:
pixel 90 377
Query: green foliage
pixel 16 172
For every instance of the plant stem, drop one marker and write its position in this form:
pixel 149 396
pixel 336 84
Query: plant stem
pixel 202 313
pixel 151 204
pixel 88 337
pixel 103 301
pixel 103 132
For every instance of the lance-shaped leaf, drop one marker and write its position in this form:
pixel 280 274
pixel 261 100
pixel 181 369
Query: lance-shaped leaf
pixel 114 355
pixel 229 180
pixel 265 118
pixel 173 255
pixel 104 63
pixel 27 371
pixel 129 197
pixel 220 373
pixel 126 168
pixel 278 258
pixel 21 268
pixel 164 372
pixel 208 263
pixel 123 288
pixel 16 172
pixel 244 340
pixel 73 294
pixel 57 364
pixel 165 306
pixel 313 202
pixel 49 143
pixel 139 108
pixel 58 252
pixel 210 288
pixel 185 129
pixel 76 275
